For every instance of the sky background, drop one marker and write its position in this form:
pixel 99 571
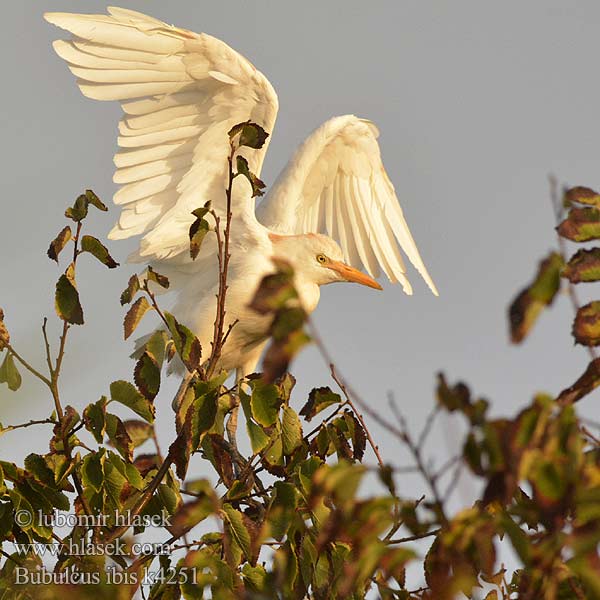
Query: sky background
pixel 477 103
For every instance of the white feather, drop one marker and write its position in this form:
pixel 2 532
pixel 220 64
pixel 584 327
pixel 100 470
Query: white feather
pixel 340 164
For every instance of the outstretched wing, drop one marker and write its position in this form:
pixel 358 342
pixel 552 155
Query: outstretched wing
pixel 181 93
pixel 336 184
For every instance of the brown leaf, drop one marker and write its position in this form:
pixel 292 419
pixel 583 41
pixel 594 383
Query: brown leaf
pixel 589 381
pixel 131 290
pixel 584 265
pixel 582 195
pixel 4 335
pixel 275 290
pixel 586 326
pixel 58 244
pixel 581 225
pixel 222 462
pixel 526 307
pixel 134 315
pixel 162 280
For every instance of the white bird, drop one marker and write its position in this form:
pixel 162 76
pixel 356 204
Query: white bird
pixel 181 92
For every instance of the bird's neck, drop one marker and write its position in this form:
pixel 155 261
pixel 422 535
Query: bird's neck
pixel 285 248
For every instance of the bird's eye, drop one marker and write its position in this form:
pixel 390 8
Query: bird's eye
pixel 321 258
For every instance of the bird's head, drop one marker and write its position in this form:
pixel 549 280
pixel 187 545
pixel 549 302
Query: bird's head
pixel 319 259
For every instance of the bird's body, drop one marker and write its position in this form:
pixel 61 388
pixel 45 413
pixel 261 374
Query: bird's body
pixel 181 93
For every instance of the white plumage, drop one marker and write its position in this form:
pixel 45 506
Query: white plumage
pixel 181 93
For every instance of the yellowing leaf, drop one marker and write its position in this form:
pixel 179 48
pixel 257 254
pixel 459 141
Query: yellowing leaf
pixel 588 382
pixel 586 327
pixel 125 393
pixel 526 307
pixel 67 304
pixel 187 344
pixel 582 195
pixel 4 335
pixel 319 399
pixel 134 315
pixel 264 403
pixel 97 249
pixel 9 373
pixel 583 266
pixel 95 201
pixel 131 290
pixel 291 430
pixel 58 244
pixel 147 375
pixel 237 529
pixel 162 280
pixel 581 225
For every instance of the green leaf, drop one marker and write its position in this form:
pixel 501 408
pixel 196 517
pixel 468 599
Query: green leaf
pixel 79 210
pixel 243 169
pixel 67 304
pixel 258 438
pixel 156 346
pixel 187 344
pixel 36 465
pixel 133 287
pixel 93 418
pixel 9 373
pixel 581 225
pixel 237 529
pixel 91 471
pixel 125 393
pixel 138 431
pixel 58 244
pixel 147 375
pixel 134 315
pixel 97 249
pixel 198 230
pixel 264 403
pixel 586 326
pixel 95 201
pixel 152 275
pixel 255 578
pixel 118 436
pixel 204 412
pixel 291 430
pixel 319 399
pixel 527 306
pixel 251 134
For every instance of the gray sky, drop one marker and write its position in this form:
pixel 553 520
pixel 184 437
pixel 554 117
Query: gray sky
pixel 476 102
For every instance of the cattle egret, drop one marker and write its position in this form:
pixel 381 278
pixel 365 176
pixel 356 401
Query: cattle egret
pixel 181 92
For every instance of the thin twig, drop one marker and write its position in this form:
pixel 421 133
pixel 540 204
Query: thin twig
pixel 223 257
pixel 414 538
pixel 418 458
pixel 347 391
pixel 342 387
pixel 28 424
pixel 31 369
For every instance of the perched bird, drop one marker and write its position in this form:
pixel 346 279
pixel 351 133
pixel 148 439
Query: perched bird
pixel 181 92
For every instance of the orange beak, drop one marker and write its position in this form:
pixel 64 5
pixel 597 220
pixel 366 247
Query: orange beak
pixel 354 275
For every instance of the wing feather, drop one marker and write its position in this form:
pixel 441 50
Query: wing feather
pixel 340 166
pixel 181 92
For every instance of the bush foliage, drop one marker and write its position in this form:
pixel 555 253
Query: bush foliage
pixel 292 519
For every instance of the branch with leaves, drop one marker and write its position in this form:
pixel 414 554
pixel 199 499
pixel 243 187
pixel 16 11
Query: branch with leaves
pixel 291 517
